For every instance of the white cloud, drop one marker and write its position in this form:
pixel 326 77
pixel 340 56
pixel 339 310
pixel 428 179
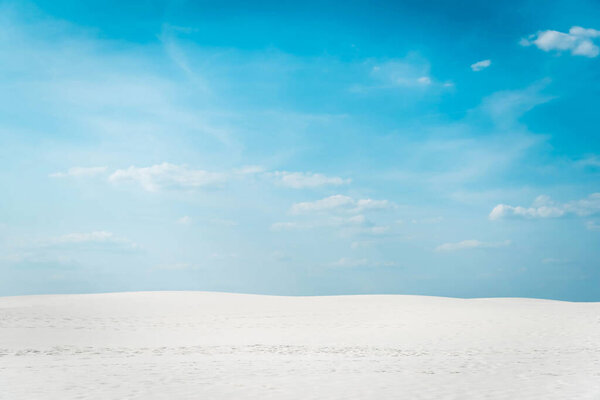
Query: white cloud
pixel 223 222
pixel 176 267
pixel 329 203
pixel 410 72
pixel 80 172
pixel 361 243
pixel 590 161
pixel 350 262
pixel 503 211
pixel 223 256
pixel 338 203
pixel 376 230
pixel 470 244
pixel 479 65
pixel 550 260
pixel 185 220
pixel 166 175
pixel 579 41
pixel 250 170
pixel 285 226
pixel 370 204
pixel 507 106
pixel 299 180
pixel 544 207
pixel 361 262
pixel 95 237
pixel 592 225
pixel 430 220
pixel 357 221
pixel 280 256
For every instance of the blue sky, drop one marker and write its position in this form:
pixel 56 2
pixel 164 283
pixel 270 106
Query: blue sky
pixel 435 148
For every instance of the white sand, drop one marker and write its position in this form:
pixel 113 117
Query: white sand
pixel 194 345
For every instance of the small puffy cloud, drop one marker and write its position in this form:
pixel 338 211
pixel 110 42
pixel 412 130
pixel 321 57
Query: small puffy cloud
pixel 470 244
pixel 579 41
pixel 80 172
pixel 166 175
pixel 544 207
pixel 479 65
pixel 300 180
pixel 340 203
pixel 185 220
pixel 424 80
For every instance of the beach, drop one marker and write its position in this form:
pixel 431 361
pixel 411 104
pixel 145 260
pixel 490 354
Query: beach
pixel 184 345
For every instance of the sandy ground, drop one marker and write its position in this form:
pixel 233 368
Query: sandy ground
pixel 195 345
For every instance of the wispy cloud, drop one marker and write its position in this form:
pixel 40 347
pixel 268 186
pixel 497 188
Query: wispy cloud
pixel 479 65
pixel 339 203
pixel 94 238
pixel 507 106
pixel 355 221
pixel 185 220
pixel 353 225
pixel 593 225
pixel 350 262
pixel 346 262
pixel 300 180
pixel 166 175
pixel 579 41
pixel 287 226
pixel 176 267
pixel 411 72
pixel 334 202
pixel 249 170
pixel 592 161
pixel 551 260
pixel 545 207
pixel 80 172
pixel 470 244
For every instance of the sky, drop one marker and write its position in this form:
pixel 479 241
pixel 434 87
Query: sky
pixel 301 148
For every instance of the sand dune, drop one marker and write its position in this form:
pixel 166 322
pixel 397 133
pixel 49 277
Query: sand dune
pixel 184 345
